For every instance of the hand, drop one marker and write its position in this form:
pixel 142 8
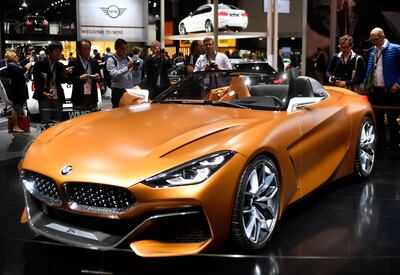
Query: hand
pixel 394 88
pixel 48 95
pixel 98 77
pixel 69 70
pixel 131 64
pixel 340 83
pixel 84 77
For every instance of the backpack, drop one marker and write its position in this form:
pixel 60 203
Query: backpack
pixel 106 73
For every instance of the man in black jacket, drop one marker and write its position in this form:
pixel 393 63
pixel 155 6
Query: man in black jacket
pixel 157 66
pixel 346 68
pixel 86 73
pixel 48 75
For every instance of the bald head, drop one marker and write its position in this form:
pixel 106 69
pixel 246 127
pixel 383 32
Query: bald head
pixel 377 37
pixel 377 31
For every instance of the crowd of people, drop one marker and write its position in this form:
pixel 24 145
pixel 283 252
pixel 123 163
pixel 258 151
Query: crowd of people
pixel 378 76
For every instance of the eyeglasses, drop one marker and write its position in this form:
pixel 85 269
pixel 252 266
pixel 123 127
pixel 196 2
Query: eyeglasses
pixel 208 44
pixel 345 47
pixel 374 39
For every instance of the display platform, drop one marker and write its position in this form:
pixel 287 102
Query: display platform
pixel 347 227
pixel 221 35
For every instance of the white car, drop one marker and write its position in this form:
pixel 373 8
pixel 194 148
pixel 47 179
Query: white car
pixel 202 19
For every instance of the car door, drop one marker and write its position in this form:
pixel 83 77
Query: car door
pixel 325 134
pixel 196 19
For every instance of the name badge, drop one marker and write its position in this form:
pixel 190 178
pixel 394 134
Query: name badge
pixel 87 88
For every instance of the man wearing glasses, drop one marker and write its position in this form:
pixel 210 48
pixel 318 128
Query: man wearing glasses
pixel 346 68
pixel 212 60
pixel 382 81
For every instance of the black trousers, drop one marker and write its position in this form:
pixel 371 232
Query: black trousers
pixel 116 95
pixel 382 97
pixel 50 110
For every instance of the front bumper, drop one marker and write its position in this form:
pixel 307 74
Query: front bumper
pixel 163 222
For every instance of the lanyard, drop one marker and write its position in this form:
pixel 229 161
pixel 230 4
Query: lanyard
pixel 87 65
pixel 52 70
pixel 377 59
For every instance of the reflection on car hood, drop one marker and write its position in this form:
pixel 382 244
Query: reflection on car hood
pixel 139 139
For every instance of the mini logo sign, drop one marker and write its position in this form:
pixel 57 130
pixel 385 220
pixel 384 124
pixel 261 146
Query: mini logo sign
pixel 66 170
pixel 113 11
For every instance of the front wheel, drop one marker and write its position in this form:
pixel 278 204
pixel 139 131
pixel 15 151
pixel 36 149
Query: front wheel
pixel 209 26
pixel 257 205
pixel 365 152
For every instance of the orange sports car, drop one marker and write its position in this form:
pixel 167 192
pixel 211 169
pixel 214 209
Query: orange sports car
pixel 219 156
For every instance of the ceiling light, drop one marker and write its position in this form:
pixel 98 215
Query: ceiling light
pixel 24 4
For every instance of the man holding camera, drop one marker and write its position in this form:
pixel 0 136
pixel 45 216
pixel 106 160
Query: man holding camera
pixel 85 75
pixel 212 60
pixel 157 66
pixel 346 68
pixel 120 67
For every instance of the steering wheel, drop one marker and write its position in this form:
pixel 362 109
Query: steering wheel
pixel 276 99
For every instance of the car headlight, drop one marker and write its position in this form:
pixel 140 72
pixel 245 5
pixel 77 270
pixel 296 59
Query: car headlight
pixel 193 172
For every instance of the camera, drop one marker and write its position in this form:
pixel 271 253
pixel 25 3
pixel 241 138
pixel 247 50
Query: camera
pixel 333 79
pixel 136 62
pixel 213 65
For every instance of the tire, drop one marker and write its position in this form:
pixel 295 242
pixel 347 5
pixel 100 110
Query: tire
pixel 256 206
pixel 182 29
pixel 366 147
pixel 208 26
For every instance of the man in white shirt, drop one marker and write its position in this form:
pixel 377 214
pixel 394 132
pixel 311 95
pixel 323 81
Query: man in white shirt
pixel 212 60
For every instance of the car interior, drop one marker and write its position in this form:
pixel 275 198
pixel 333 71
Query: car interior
pixel 246 90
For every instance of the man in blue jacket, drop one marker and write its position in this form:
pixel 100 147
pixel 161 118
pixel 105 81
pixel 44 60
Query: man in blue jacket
pixel 382 82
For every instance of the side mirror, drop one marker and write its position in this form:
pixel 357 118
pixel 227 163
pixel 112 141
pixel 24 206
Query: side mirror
pixel 297 103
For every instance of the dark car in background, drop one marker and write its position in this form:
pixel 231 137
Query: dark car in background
pixel 35 23
pixel 259 66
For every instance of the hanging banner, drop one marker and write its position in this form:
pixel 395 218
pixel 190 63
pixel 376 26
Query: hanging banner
pixel 103 20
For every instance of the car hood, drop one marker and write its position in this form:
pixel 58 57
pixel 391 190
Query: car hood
pixel 111 146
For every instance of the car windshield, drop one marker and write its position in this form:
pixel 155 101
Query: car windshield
pixel 227 89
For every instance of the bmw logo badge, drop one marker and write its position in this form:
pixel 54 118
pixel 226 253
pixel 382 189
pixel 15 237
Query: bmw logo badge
pixel 66 170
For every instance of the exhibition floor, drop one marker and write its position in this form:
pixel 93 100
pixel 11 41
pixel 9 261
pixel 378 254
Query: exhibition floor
pixel 347 227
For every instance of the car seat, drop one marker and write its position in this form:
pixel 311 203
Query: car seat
pixel 237 89
pixel 302 87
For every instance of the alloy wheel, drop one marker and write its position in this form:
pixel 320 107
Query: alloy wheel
pixel 261 203
pixel 367 147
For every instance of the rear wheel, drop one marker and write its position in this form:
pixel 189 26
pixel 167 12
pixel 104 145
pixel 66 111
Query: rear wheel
pixel 365 154
pixel 182 29
pixel 257 205
pixel 209 26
